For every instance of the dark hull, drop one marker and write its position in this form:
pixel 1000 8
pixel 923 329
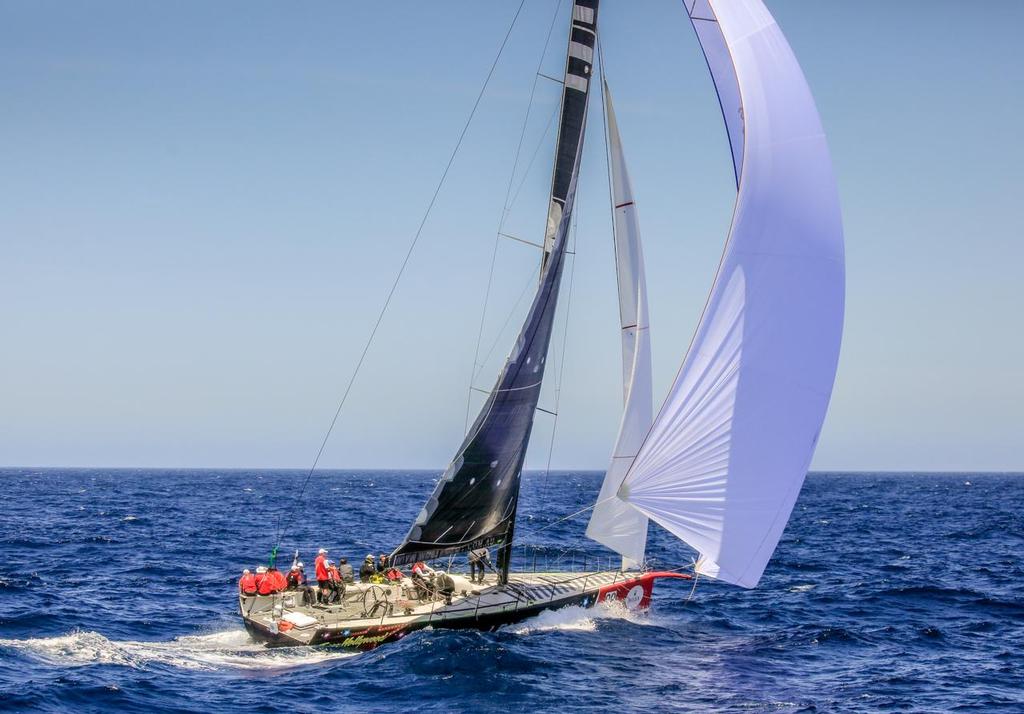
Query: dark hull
pixel 634 591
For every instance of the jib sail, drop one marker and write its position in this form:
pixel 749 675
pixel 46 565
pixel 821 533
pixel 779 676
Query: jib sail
pixel 725 459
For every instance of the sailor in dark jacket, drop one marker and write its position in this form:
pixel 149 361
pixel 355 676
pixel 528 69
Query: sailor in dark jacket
pixel 479 559
pixel 367 570
pixel 346 571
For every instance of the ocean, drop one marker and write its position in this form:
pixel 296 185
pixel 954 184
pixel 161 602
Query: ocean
pixel 888 592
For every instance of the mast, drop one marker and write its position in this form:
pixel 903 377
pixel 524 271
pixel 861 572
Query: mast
pixel 474 503
pixel 727 454
pixel 579 63
pixel 614 523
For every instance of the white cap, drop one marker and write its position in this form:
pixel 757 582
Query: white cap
pixel 261 569
pixel 299 565
pixel 246 571
pixel 321 551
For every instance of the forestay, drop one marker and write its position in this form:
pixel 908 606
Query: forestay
pixel 474 502
pixel 725 459
pixel 614 522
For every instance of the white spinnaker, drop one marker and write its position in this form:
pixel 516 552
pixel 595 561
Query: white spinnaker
pixel 614 522
pixel 725 459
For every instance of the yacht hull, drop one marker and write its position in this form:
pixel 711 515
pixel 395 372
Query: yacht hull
pixel 478 607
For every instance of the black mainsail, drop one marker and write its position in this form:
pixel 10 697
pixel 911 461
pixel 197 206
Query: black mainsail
pixel 474 503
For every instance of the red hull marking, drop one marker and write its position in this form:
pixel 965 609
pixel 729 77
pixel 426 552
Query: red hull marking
pixel 636 592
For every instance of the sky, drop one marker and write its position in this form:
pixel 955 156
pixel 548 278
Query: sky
pixel 203 205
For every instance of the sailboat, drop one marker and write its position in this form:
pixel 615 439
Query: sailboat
pixel 721 462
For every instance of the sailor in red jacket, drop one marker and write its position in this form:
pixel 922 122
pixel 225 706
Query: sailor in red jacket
pixel 273 582
pixel 247 583
pixel 297 581
pixel 296 577
pixel 323 578
pixel 337 587
pixel 261 575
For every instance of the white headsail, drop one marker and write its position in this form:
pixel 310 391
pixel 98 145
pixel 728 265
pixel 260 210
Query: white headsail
pixel 725 459
pixel 614 522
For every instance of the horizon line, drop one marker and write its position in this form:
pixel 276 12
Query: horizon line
pixel 382 469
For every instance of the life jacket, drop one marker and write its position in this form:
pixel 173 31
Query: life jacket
pixel 271 583
pixel 420 568
pixel 247 584
pixel 393 574
pixel 333 575
pixel 321 568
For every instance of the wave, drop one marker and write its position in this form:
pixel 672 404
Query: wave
pixel 577 619
pixel 231 649
pixel 806 587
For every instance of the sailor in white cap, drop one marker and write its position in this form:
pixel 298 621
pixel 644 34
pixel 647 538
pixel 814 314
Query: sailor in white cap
pixel 247 583
pixel 261 573
pixel 367 570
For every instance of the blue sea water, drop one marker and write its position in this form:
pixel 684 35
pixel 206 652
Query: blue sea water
pixel 887 592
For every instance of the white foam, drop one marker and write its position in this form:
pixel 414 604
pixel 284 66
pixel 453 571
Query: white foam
pixel 232 649
pixel 802 588
pixel 577 619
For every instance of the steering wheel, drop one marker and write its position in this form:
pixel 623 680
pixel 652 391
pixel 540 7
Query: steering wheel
pixel 376 598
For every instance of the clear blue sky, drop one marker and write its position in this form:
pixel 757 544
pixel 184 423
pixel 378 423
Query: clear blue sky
pixel 202 206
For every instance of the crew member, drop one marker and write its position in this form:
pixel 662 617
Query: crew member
pixel 333 583
pixel 479 559
pixel 273 582
pixel 261 575
pixel 323 579
pixel 247 583
pixel 420 582
pixel 297 581
pixel 366 570
pixel 382 563
pixel 444 586
pixel 296 578
pixel 347 576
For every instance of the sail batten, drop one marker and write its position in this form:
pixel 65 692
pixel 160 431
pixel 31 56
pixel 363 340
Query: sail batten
pixel 474 502
pixel 728 452
pixel 615 523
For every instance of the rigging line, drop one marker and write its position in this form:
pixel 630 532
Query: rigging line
pixel 505 209
pixel 521 240
pixel 401 271
pixel 533 158
pixel 531 279
pixel 564 518
pixel 696 576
